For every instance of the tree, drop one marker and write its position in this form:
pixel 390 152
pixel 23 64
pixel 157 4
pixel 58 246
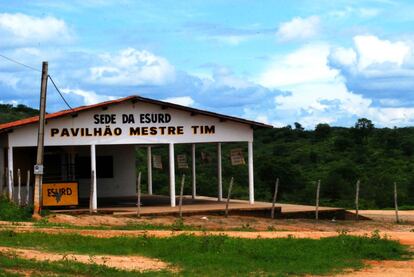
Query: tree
pixel 289 175
pixel 364 125
pixel 322 130
pixel 340 180
pixel 342 143
pixel 362 129
pixel 407 147
pixel 298 126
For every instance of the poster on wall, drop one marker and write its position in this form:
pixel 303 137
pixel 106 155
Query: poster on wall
pixel 236 157
pixel 182 161
pixel 205 157
pixel 157 161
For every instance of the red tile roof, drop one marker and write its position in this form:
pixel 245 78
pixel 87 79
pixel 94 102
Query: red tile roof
pixel 34 119
pixel 7 126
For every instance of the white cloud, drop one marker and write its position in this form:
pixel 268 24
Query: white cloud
pixel 223 76
pixel 308 64
pixel 372 56
pixel 22 29
pixel 89 97
pixel 373 51
pixel 368 12
pixel 228 39
pixel 12 102
pixel 132 67
pixel 318 93
pixel 344 56
pixel 9 79
pixel 183 100
pixel 390 102
pixel 299 28
pixel 351 11
pixel 379 68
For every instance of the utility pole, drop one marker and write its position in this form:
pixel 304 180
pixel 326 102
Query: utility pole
pixel 38 168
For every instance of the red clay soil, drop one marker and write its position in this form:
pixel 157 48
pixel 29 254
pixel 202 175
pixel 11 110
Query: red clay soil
pixel 129 263
pixel 258 228
pixel 383 269
pixel 215 222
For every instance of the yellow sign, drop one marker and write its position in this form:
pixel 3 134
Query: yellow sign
pixel 60 194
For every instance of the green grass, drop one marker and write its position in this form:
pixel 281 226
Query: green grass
pixel 178 225
pixel 225 256
pixel 10 211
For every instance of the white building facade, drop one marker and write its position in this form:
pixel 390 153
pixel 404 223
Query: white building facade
pixel 109 132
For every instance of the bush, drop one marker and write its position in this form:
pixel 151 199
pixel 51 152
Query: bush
pixel 9 211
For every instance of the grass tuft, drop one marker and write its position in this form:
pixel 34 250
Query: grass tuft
pixel 10 211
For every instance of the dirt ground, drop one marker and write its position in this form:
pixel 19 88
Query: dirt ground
pixel 246 227
pixel 384 269
pixel 382 221
pixel 238 226
pixel 136 263
pixel 389 215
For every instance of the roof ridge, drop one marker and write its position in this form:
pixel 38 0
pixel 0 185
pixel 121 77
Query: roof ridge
pixel 22 122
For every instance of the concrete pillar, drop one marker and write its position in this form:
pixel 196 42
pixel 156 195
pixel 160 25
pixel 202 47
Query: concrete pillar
pixel 93 179
pixel 219 173
pixel 193 161
pixel 10 166
pixel 149 166
pixel 172 174
pixel 250 166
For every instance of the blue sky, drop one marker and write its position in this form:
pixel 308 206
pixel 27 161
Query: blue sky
pixel 277 62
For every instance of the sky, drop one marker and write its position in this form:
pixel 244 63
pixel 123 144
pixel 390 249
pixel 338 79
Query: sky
pixel 276 62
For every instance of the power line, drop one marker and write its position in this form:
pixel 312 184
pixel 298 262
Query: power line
pixel 19 63
pixel 32 68
pixel 61 95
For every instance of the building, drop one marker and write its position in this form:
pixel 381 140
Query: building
pixel 107 134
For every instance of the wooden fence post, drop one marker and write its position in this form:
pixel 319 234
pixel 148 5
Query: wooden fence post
pixel 28 188
pixel 139 195
pixel 228 197
pixel 396 203
pixel 357 200
pixel 19 185
pixel 180 204
pixel 274 198
pixel 317 200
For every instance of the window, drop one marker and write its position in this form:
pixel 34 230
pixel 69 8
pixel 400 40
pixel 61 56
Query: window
pixel 104 167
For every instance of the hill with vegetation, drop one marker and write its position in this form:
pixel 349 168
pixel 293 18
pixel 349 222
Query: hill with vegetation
pixel 9 112
pixel 337 156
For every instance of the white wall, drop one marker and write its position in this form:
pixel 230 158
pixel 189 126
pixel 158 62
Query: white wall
pixel 3 145
pixel 1 169
pixel 123 183
pixel 225 131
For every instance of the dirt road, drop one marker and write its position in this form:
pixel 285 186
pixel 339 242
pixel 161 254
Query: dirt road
pixel 250 228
